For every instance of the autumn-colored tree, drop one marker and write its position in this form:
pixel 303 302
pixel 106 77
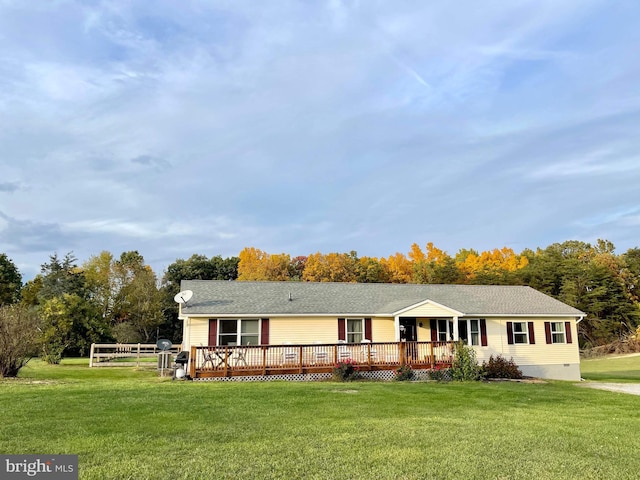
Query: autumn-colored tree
pixel 296 267
pixel 399 268
pixel 333 267
pixel 436 266
pixel 258 265
pixel 492 266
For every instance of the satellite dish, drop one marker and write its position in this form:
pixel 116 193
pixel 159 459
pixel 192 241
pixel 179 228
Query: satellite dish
pixel 164 344
pixel 183 297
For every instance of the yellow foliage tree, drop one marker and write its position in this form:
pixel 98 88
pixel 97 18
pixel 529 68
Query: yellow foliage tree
pixel 257 265
pixel 399 268
pixel 332 267
pixel 492 262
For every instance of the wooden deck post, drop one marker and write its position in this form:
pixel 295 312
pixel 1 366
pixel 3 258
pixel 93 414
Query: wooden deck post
pixel 402 353
pixel 300 362
pixel 264 360
pixel 192 363
pixel 433 358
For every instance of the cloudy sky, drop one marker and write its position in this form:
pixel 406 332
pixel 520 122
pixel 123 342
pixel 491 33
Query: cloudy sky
pixel 175 128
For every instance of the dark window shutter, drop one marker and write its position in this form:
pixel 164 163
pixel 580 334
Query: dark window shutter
pixel 264 332
pixel 433 324
pixel 342 329
pixel 567 329
pixel 367 329
pixel 547 331
pixel 213 332
pixel 510 333
pixel 483 332
pixel 532 335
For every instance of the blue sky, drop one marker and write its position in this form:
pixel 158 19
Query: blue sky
pixel 175 128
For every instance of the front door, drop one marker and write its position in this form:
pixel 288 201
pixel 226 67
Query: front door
pixel 408 330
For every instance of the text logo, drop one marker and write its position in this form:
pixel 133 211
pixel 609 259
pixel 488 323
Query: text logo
pixel 49 467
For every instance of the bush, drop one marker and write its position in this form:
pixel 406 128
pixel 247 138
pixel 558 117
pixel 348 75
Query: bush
pixel 404 373
pixel 19 338
pixel 500 367
pixel 465 366
pixel 440 374
pixel 345 371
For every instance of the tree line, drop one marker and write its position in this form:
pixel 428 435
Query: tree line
pixel 120 299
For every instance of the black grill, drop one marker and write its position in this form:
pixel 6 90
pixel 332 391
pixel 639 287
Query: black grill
pixel 182 358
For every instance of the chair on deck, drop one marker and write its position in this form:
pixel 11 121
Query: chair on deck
pixel 344 352
pixel 368 349
pixel 240 355
pixel 320 354
pixel 289 354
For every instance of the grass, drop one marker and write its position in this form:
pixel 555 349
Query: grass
pixel 612 368
pixel 128 423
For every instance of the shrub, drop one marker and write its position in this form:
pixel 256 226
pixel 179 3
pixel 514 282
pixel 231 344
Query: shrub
pixel 465 366
pixel 405 372
pixel 500 367
pixel 345 371
pixel 440 374
pixel 18 338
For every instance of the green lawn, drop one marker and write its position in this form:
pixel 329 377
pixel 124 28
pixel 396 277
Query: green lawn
pixel 126 424
pixel 612 369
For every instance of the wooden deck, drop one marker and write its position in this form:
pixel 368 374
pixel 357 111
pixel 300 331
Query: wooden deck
pixel 228 361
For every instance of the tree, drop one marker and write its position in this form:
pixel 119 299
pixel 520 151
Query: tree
pixel 197 267
pixel 61 276
pixel 138 305
pixel 333 267
pixel 493 267
pixel 10 281
pixel 296 267
pixel 370 270
pixel 141 309
pixel 19 337
pixel 70 320
pixel 399 268
pixel 256 265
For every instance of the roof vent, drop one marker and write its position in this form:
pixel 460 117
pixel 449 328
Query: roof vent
pixel 290 297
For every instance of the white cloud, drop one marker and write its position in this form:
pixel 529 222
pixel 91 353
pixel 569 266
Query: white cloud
pixel 294 126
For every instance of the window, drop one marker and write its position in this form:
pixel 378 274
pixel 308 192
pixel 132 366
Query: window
pixel 557 332
pixel 355 330
pixel 470 331
pixel 520 333
pixel 239 332
pixel 445 330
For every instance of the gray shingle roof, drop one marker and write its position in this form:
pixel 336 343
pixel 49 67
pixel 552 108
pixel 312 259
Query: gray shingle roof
pixel 214 297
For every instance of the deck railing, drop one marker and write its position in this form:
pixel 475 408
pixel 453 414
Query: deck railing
pixel 224 361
